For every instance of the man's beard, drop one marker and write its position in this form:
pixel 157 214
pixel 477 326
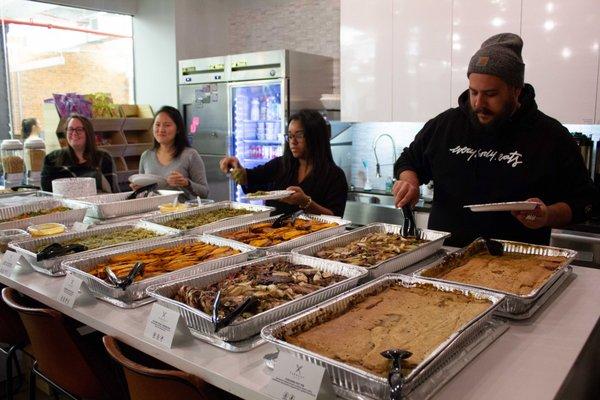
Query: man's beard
pixel 497 122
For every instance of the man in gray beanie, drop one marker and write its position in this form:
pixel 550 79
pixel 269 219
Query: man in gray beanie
pixel 496 147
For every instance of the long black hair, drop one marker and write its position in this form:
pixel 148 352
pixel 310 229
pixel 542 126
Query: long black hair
pixel 91 153
pixel 317 133
pixel 181 139
pixel 27 126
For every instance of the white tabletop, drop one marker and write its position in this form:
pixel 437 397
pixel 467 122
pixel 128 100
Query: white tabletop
pixel 530 361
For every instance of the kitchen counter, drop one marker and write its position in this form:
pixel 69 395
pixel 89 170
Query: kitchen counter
pixel 538 358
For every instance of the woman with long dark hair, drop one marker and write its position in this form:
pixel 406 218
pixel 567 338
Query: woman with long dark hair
pixel 172 157
pixel 306 168
pixel 81 158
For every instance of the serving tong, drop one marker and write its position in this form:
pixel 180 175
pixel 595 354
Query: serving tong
pixel 409 228
pixel 395 378
pixel 16 188
pixel 220 323
pixel 138 268
pixel 292 216
pixel 58 250
pixel 494 247
pixel 146 190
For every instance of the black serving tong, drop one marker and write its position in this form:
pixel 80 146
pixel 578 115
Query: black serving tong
pixel 292 216
pixel 58 250
pixel 16 188
pixel 220 323
pixel 146 190
pixel 494 247
pixel 410 227
pixel 137 269
pixel 395 378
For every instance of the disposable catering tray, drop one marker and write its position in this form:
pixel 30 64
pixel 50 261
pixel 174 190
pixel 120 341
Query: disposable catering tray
pixel 255 212
pixel 25 197
pixel 394 264
pixel 347 378
pixel 200 323
pixel 135 295
pixel 293 243
pixel 114 205
pixel 515 306
pixel 76 213
pixel 28 247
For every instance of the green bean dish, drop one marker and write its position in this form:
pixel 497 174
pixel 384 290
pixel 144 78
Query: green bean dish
pixel 193 221
pixel 110 238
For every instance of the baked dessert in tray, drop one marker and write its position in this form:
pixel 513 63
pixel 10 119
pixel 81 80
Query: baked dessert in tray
pixel 371 249
pixel 515 273
pixel 417 319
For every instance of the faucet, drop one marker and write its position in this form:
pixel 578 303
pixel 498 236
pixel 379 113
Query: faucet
pixel 377 165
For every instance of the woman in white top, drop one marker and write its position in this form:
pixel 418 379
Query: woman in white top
pixel 172 157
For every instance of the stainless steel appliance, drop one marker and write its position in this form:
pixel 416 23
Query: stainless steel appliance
pixel 247 116
pixel 586 146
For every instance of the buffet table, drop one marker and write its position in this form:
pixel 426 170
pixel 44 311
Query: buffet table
pixel 532 360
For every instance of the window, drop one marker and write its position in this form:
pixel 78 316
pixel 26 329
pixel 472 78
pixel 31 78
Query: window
pixel 55 49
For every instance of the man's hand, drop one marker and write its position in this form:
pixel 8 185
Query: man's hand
pixel 405 193
pixel 536 218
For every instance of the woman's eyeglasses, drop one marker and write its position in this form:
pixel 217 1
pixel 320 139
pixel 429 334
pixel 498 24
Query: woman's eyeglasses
pixel 78 131
pixel 297 136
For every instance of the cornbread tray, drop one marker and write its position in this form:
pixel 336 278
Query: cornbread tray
pixel 28 247
pixel 76 213
pixel 293 243
pixel 135 295
pixel 115 205
pixel 394 264
pixel 200 323
pixel 515 306
pixel 255 212
pixel 362 384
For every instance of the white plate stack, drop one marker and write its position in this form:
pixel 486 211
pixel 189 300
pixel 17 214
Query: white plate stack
pixel 74 187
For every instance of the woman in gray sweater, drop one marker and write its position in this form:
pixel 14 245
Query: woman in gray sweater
pixel 172 157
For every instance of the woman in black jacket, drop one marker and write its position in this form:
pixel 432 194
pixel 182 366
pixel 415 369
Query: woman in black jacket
pixel 80 159
pixel 306 168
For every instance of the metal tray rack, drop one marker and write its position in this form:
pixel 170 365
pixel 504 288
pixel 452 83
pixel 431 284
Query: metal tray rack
pixel 394 264
pixel 293 243
pixel 28 247
pixel 515 306
pixel 347 378
pixel 135 295
pixel 115 205
pixel 76 213
pixel 200 323
pixel 255 212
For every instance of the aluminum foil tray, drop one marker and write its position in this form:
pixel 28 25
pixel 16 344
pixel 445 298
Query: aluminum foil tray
pixel 135 294
pixel 515 304
pixel 293 243
pixel 256 212
pixel 349 378
pixel 394 264
pixel 114 205
pixel 201 323
pixel 28 247
pixel 76 213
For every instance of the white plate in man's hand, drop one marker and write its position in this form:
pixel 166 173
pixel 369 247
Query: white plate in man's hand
pixel 272 195
pixel 147 179
pixel 507 206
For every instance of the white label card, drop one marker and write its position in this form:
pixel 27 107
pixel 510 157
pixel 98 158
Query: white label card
pixel 70 290
pixel 80 226
pixel 296 379
pixel 9 260
pixel 161 325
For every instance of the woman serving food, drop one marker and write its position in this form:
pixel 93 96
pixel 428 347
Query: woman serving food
pixel 306 168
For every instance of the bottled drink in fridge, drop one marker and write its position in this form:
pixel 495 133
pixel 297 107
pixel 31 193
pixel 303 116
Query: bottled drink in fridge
pixel 255 110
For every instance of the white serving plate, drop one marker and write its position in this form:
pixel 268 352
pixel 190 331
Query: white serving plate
pixel 507 206
pixel 272 195
pixel 147 179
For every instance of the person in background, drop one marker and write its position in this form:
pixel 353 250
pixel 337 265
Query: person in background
pixel 30 129
pixel 306 168
pixel 496 147
pixel 172 157
pixel 80 158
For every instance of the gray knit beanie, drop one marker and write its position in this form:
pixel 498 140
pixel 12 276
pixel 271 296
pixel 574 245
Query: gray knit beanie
pixel 500 55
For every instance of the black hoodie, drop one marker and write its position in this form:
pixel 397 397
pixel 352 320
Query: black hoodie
pixel 530 155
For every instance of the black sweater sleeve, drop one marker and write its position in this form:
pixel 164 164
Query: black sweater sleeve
pixel 337 192
pixel 414 158
pixel 574 185
pixel 263 176
pixel 108 168
pixel 49 170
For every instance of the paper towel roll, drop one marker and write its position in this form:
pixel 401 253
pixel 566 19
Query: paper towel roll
pixel 74 187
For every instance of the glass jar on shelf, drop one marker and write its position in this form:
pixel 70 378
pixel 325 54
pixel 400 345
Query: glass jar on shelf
pixel 11 152
pixel 35 151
